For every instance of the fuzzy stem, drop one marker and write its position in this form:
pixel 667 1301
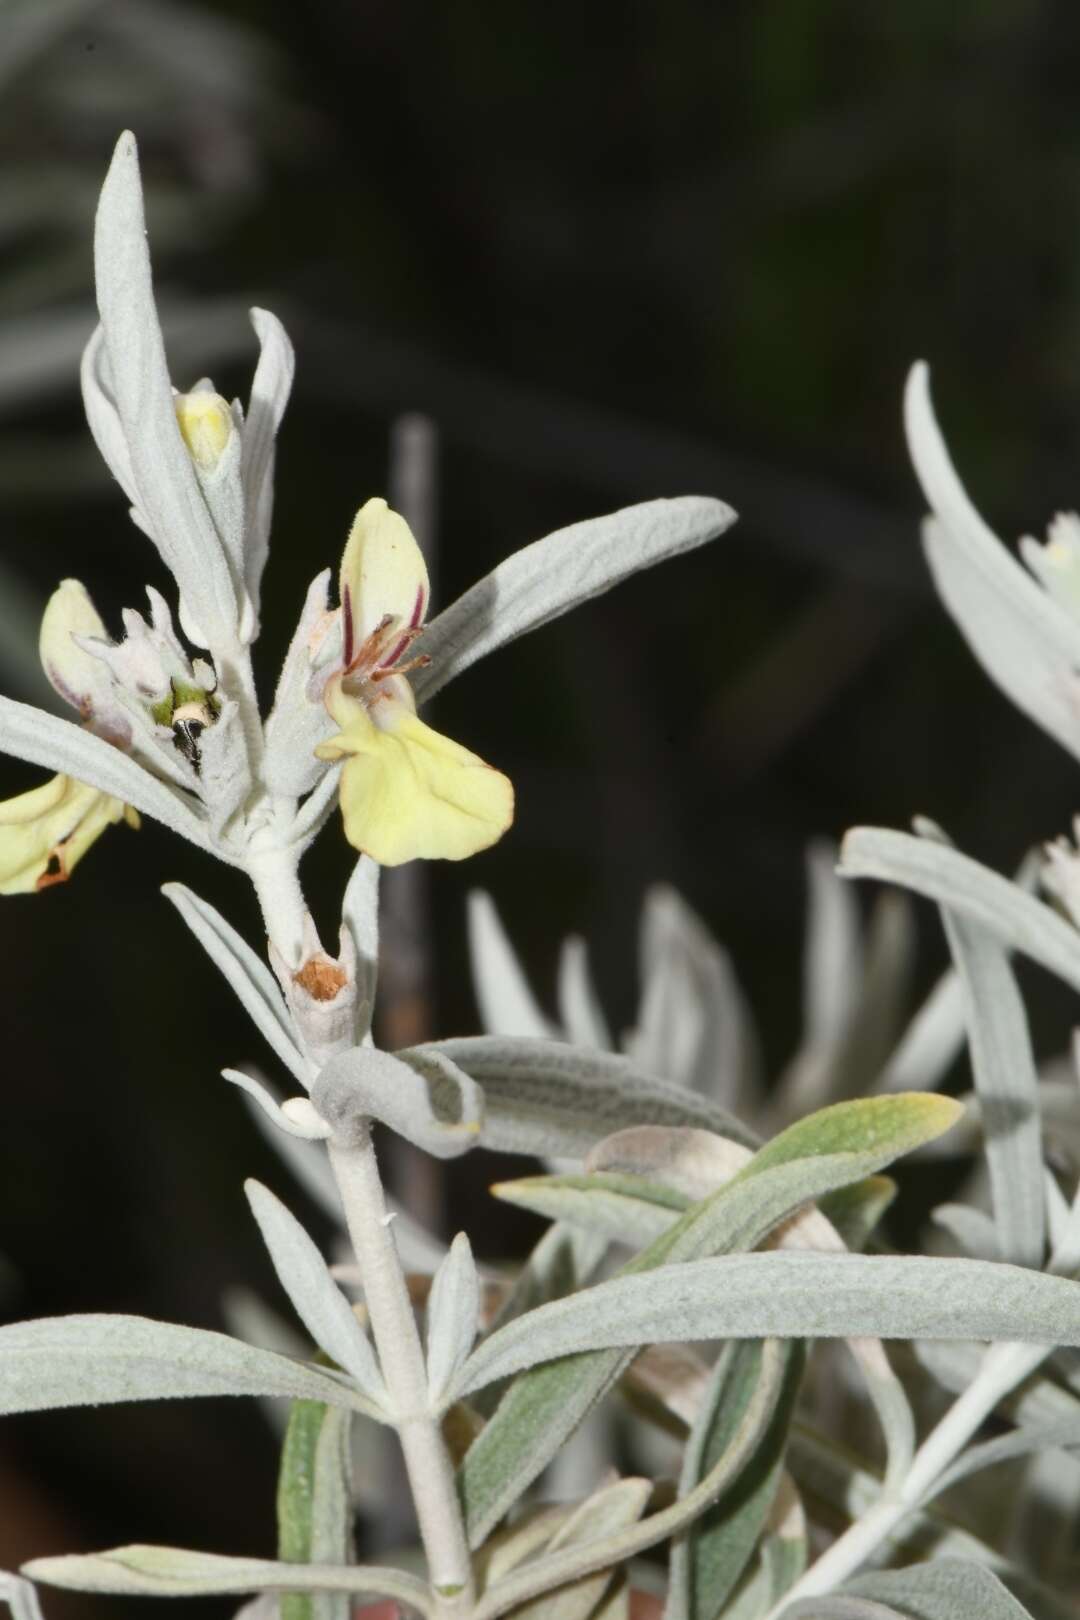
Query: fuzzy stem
pixel 401 1358
pixel 1004 1366
pixel 271 867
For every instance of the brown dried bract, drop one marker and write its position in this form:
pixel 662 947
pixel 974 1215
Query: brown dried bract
pixel 321 978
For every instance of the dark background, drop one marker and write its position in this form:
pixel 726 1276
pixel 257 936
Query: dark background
pixel 615 252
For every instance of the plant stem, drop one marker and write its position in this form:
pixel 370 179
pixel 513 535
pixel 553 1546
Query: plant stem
pixel 401 1357
pixel 1004 1366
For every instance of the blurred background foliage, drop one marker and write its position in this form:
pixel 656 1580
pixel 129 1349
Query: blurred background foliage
pixel 612 253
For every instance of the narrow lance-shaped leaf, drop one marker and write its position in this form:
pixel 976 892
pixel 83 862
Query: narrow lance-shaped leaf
pixel 710 1556
pixel 553 575
pixel 98 1360
pixel 955 880
pixel 177 1572
pixel 506 1002
pixel 944 1590
pixel 250 978
pixel 791 1295
pixel 316 1297
pixel 1006 1080
pixel 453 1314
pixel 314 1506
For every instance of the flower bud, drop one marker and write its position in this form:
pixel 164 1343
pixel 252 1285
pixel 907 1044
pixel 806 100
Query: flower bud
pixel 206 426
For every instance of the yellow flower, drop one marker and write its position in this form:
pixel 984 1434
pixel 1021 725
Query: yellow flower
pixel 407 792
pixel 45 833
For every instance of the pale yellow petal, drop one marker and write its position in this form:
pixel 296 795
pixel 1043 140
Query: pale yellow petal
pixel 45 832
pixel 382 572
pixel 409 793
pixel 79 677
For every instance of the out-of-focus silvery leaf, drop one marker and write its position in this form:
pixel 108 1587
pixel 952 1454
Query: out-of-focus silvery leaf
pixel 316 1297
pixel 250 978
pixel 944 1590
pixel 553 575
pixel 579 1006
pixel 453 1316
pixel 20 1597
pixel 314 1503
pixel 507 1004
pixel 784 1295
pixel 621 1209
pixel 98 1360
pixel 931 1041
pixel 536 1414
pixel 61 745
pixel 693 1024
pixel 546 1098
pixel 176 1572
pixel 556 1568
pixel 605 1513
pixel 972 1228
pixel 1003 1065
pixel 709 1558
pixel 955 880
pixel 1055 1435
pixel 426 1098
pixel 1024 640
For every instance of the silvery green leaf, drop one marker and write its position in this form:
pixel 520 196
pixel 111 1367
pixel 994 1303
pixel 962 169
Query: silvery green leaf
pixel 1003 1065
pixel 360 915
pixel 270 389
pixel 20 1597
pixel 553 575
pixel 541 1409
pixel 932 1040
pixel 546 1098
pixel 785 1540
pixel 296 724
pixel 832 953
pixel 1024 640
pixel 1058 1434
pixel 579 1006
pixel 316 1297
pixel 314 1503
pixel 421 1094
pixel 709 1558
pixel 783 1294
pixel 955 880
pixel 620 1209
pixel 168 495
pixel 1006 1080
pixel 176 1572
pixel 693 1024
pixel 61 745
pixel 453 1316
pixel 250 978
pixel 944 1590
pixel 553 1569
pixel 605 1513
pixel 99 1360
pixel 506 1002
pixel 835 1606
pixel 972 1228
